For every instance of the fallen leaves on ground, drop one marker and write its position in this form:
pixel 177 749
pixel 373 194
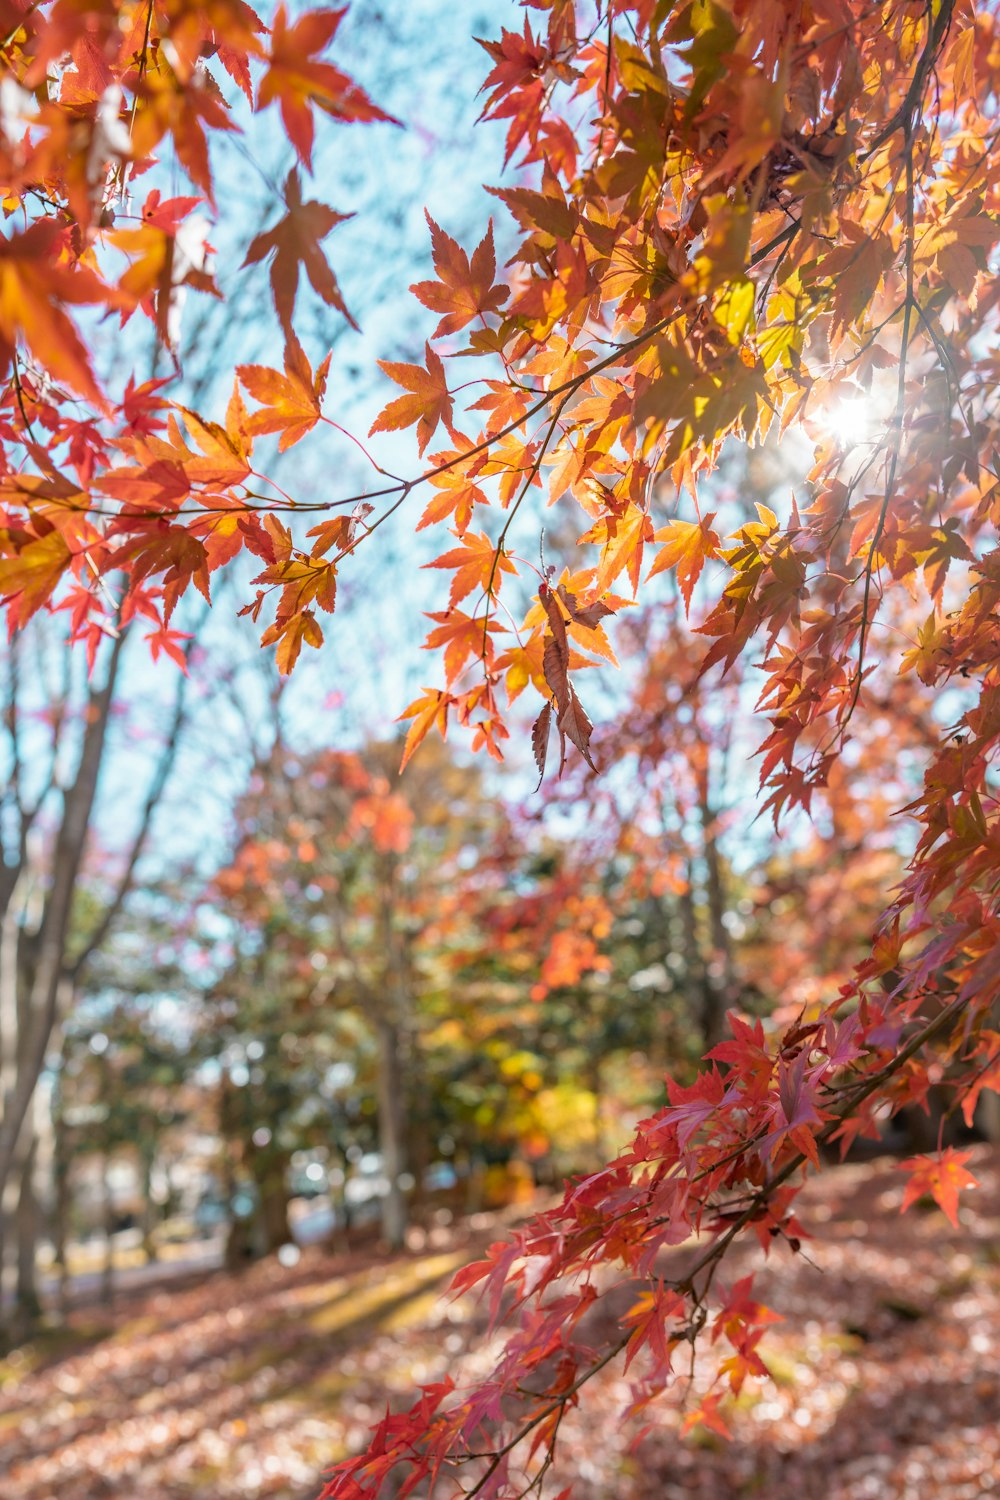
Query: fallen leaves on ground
pixel 886 1370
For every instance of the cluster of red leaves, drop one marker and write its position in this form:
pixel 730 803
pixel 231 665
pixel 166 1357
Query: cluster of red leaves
pixel 91 485
pixel 775 207
pixel 771 212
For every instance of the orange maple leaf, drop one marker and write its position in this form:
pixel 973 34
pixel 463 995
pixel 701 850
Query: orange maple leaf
pixel 297 80
pixel 942 1176
pixel 428 403
pixel 706 1415
pixel 462 636
pixel 35 282
pixel 687 546
pixel 477 564
pixel 463 289
pixel 29 578
pixel 621 539
pixel 289 634
pixel 294 242
pixel 429 711
pixel 290 403
pixel 181 106
pixel 457 496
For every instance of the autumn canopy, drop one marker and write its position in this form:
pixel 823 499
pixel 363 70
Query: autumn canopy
pixel 719 223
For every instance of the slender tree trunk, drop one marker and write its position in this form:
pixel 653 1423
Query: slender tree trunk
pixel 701 996
pixel 239 1248
pixel 27 1226
pixel 475 1183
pixel 41 957
pixel 147 1156
pixel 9 1030
pixel 719 984
pixel 595 1082
pixel 394 1008
pixel 108 1269
pixel 60 1209
pixel 390 1129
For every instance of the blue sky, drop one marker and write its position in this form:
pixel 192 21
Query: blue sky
pixel 427 75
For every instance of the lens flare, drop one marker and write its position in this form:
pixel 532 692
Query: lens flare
pixel 853 421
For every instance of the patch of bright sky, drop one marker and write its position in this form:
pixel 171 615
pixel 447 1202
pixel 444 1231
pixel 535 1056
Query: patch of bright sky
pixel 427 74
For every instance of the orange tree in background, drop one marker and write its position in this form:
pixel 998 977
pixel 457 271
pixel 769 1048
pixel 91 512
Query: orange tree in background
pixel 352 900
pixel 731 218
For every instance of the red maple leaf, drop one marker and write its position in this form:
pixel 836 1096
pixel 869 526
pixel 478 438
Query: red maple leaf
pixel 428 402
pixel 942 1176
pixel 300 82
pixel 293 242
pixel 464 289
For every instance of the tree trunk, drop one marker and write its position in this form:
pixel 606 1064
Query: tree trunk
pixel 988 1116
pixel 108 1269
pixel 394 1008
pixel 27 1226
pixel 146 1158
pixel 390 1129
pixel 270 1173
pixel 702 998
pixel 60 1209
pixel 41 955
pixel 719 985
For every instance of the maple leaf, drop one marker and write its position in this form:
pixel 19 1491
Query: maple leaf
pixel 571 717
pixel 692 1107
pixel 37 280
pixel 428 403
pixel 540 739
pixel 289 634
pixel 139 403
pixel 457 496
pixel 942 1177
pixel 477 564
pixel 747 1052
pixel 706 1414
pixel 797 1110
pixel 291 403
pixel 649 1318
pixel 298 81
pixel 182 103
pixel 159 548
pixel 462 636
pixel 929 653
pixel 587 615
pixel 226 458
pixel 29 578
pixel 464 289
pixel 155 271
pixel 621 538
pixel 688 545
pixel 340 532
pixel 524 663
pixel 294 242
pixel 736 1367
pixel 573 722
pixel 430 711
pixel 169 641
pixel 945 544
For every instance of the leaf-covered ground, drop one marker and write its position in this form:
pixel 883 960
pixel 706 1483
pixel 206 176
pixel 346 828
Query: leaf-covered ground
pixel 886 1371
